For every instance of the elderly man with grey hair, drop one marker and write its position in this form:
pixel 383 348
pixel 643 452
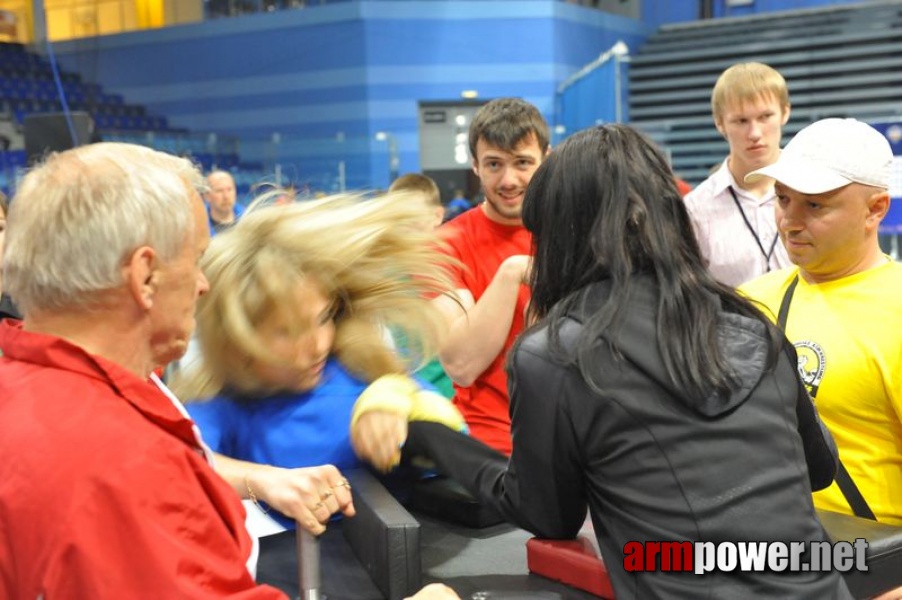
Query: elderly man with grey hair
pixel 105 486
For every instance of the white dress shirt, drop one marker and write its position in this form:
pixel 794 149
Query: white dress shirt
pixel 729 230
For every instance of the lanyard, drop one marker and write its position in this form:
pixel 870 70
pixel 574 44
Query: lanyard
pixel 766 254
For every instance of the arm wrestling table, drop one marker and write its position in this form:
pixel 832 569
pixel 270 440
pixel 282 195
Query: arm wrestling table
pixel 482 564
pixel 376 555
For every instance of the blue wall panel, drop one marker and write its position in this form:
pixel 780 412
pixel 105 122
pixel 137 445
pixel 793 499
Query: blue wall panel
pixel 345 71
pixel 592 98
pixel 659 12
pixel 328 77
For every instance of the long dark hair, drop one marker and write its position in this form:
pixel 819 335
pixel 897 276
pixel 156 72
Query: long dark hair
pixel 604 206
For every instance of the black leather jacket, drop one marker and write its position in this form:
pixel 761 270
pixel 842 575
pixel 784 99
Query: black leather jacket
pixel 652 464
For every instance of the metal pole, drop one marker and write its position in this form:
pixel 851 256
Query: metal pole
pixel 40 34
pixel 308 565
pixel 277 166
pixel 394 161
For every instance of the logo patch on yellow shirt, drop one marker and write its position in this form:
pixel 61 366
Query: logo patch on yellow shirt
pixel 812 363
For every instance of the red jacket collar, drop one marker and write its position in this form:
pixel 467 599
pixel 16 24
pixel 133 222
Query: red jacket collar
pixel 54 352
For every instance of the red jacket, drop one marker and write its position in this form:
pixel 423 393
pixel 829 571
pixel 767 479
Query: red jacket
pixel 104 489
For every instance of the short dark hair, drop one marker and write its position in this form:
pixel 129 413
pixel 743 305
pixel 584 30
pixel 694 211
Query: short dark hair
pixel 507 122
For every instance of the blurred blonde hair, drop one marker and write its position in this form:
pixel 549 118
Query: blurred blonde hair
pixel 371 256
pixel 746 82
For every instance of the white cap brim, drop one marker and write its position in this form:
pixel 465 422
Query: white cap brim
pixel 801 175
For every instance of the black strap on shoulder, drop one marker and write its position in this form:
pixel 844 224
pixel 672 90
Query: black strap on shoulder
pixel 784 305
pixel 853 495
pixel 844 480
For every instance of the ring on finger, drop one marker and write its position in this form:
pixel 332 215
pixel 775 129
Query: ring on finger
pixel 326 495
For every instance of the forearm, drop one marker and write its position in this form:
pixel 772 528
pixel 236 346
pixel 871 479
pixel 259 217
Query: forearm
pixel 477 335
pixel 477 467
pixel 309 495
pixel 490 477
pixel 238 473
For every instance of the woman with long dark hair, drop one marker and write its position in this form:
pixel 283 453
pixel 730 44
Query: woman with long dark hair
pixel 645 391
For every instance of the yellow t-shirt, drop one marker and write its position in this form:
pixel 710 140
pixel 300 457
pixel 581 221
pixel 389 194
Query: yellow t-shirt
pixel 848 336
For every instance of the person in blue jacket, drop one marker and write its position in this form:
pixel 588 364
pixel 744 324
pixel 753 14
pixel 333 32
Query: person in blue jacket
pixel 294 332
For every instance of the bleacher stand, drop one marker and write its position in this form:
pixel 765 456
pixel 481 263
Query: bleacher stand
pixel 840 61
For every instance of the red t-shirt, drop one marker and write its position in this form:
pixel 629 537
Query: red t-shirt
pixel 482 245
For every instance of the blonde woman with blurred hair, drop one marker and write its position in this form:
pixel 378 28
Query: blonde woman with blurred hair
pixel 293 334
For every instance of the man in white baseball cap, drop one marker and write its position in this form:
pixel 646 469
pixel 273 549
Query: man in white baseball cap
pixel 839 304
pixel 830 154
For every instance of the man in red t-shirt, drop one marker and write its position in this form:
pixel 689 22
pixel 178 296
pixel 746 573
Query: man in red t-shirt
pixel 509 138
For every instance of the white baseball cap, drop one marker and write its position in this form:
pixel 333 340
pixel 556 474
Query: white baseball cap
pixel 830 154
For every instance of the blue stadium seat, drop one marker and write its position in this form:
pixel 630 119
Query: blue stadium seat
pixel 12 159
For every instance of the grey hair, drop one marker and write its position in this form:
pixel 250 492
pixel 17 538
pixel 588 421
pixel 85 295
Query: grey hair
pixel 77 217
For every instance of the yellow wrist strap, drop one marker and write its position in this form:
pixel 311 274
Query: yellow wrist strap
pixel 401 395
pixel 430 406
pixel 390 393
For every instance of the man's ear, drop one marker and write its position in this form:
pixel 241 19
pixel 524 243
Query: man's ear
pixel 718 123
pixel 140 275
pixel 475 167
pixel 785 118
pixel 878 205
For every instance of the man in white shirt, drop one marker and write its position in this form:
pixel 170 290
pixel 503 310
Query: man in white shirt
pixel 734 220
